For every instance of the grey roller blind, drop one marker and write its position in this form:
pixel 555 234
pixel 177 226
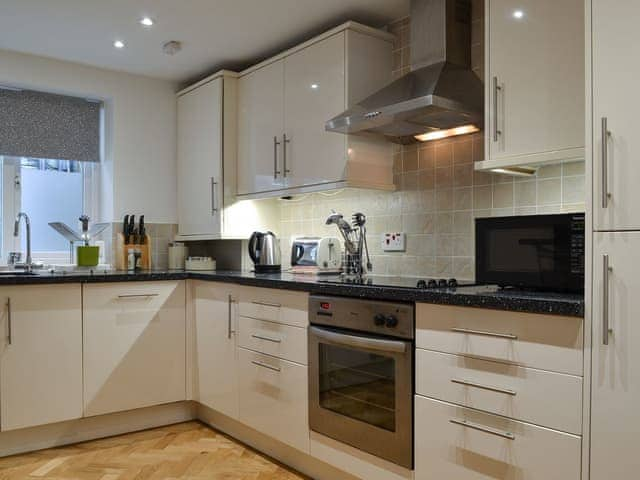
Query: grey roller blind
pixel 44 125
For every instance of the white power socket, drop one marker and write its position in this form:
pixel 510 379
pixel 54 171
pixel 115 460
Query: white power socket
pixel 394 242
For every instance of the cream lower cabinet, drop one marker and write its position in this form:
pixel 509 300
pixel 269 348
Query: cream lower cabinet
pixel 214 337
pixel 134 345
pixel 41 357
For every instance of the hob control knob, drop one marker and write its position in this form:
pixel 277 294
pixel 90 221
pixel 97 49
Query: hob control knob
pixel 432 283
pixel 379 320
pixel 392 321
pixel 442 283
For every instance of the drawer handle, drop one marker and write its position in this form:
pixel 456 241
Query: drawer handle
pixel 481 428
pixel 264 365
pixel 508 336
pixel 268 339
pixel 140 295
pixel 467 383
pixel 267 304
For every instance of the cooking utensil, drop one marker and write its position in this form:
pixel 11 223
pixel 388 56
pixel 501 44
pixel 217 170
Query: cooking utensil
pixel 142 232
pixel 125 229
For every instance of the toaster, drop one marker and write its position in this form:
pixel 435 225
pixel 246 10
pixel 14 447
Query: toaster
pixel 320 252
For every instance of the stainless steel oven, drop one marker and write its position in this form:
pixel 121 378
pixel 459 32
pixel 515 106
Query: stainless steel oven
pixel 361 375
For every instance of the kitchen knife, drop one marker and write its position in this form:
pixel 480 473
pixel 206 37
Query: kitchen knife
pixel 142 231
pixel 132 228
pixel 125 229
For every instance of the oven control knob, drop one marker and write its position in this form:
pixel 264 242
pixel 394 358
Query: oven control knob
pixel 392 321
pixel 379 320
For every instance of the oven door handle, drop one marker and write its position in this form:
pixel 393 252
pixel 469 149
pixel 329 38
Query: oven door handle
pixel 391 346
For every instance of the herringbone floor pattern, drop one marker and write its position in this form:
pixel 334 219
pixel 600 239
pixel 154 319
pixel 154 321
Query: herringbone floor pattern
pixel 188 451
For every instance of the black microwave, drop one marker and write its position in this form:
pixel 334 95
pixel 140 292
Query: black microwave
pixel 542 252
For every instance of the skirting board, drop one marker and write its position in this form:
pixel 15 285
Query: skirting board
pixel 91 428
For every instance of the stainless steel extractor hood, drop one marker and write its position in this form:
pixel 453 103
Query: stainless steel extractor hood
pixel 440 96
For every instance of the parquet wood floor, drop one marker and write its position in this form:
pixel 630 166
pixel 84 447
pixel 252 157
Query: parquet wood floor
pixel 189 451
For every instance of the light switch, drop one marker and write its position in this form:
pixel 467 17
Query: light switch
pixel 393 242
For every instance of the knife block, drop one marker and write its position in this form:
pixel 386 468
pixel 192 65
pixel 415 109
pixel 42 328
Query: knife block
pixel 122 252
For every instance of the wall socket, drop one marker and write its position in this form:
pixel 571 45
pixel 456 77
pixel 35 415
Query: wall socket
pixel 394 242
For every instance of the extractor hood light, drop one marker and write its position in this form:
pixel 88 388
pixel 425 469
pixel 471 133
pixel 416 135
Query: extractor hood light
pixel 438 134
pixel 516 171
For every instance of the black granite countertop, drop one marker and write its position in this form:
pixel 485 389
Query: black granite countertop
pixel 490 297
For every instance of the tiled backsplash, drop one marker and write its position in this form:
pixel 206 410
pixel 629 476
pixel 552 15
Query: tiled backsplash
pixel 439 194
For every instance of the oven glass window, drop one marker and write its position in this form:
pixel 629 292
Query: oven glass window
pixel 359 385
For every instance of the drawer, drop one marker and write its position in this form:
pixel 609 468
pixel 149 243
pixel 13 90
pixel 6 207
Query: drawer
pixel 453 442
pixel 277 339
pixel 281 306
pixel 549 399
pixel 547 342
pixel 274 398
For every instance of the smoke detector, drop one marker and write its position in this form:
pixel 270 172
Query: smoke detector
pixel 172 47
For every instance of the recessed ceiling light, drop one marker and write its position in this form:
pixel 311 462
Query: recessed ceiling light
pixel 146 21
pixel 118 44
pixel 314 86
pixel 518 14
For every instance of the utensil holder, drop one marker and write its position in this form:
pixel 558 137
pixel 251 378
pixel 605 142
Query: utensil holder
pixel 122 252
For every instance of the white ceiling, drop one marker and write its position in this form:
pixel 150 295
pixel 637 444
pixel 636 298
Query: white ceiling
pixel 215 33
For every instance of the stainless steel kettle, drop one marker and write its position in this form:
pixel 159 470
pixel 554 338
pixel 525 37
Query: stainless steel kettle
pixel 264 250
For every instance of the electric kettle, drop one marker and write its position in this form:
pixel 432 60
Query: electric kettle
pixel 264 250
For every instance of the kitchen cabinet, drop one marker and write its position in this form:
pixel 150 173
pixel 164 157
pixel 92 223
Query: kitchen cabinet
pixel 134 345
pixel 615 384
pixel 535 83
pixel 615 142
pixel 214 364
pixel 284 102
pixel 41 358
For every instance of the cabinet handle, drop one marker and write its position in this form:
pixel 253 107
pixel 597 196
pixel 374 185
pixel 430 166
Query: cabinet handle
pixel 508 336
pixel 276 172
pixel 267 304
pixel 496 89
pixel 264 365
pixel 214 209
pixel 9 326
pixel 606 269
pixel 139 295
pixel 605 163
pixel 285 141
pixel 229 317
pixel 483 387
pixel 482 428
pixel 268 339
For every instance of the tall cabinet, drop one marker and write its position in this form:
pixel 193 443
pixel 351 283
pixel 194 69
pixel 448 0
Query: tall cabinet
pixel 615 384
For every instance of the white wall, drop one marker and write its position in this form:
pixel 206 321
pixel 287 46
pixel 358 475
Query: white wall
pixel 140 130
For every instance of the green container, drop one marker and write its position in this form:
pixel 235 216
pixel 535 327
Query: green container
pixel 87 256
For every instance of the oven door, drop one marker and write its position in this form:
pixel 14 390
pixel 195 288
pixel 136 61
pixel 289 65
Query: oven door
pixel 361 392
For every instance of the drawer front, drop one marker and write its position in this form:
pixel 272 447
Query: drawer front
pixel 549 399
pixel 547 342
pixel 277 339
pixel 274 398
pixel 454 442
pixel 281 306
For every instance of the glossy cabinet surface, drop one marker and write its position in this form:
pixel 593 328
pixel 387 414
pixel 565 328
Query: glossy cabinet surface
pixel 41 357
pixel 200 182
pixel 615 384
pixel 615 159
pixel 535 80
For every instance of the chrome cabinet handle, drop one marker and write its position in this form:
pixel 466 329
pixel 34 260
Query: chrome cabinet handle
pixel 378 344
pixel 268 339
pixel 496 89
pixel 285 141
pixel 267 304
pixel 140 295
pixel 605 163
pixel 276 172
pixel 9 326
pixel 606 269
pixel 264 365
pixel 229 317
pixel 482 428
pixel 467 383
pixel 214 209
pixel 508 336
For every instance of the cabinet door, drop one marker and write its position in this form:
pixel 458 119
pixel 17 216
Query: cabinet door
pixel 536 56
pixel 260 129
pixel 200 160
pixel 615 384
pixel 214 353
pixel 615 99
pixel 41 360
pixel 134 345
pixel 314 92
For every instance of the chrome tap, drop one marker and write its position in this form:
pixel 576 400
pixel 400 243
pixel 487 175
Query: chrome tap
pixel 28 265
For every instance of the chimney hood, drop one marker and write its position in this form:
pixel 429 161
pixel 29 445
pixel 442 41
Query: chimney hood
pixel 440 96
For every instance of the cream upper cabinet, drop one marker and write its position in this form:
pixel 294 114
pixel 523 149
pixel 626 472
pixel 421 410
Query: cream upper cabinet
pixel 615 384
pixel 284 103
pixel 41 357
pixel 616 175
pixel 260 129
pixel 134 345
pixel 214 337
pixel 534 88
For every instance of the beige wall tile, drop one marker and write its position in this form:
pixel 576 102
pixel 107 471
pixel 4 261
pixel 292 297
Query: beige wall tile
pixel 549 191
pixel 483 197
pixel 525 193
pixel 443 154
pixel 573 189
pixel 503 195
pixel 463 151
